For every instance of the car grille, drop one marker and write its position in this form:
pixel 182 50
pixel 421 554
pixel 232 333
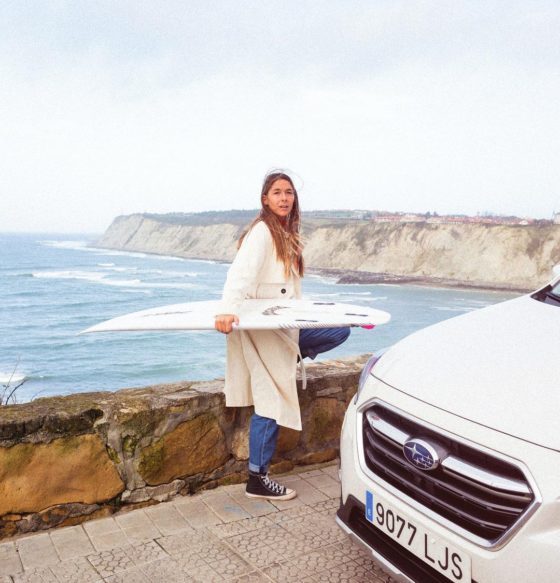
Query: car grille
pixel 481 494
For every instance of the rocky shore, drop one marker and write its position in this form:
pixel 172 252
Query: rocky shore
pixel 347 276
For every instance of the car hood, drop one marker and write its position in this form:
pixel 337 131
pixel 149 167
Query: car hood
pixel 498 366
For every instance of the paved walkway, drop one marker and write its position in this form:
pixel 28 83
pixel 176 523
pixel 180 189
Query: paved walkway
pixel 217 535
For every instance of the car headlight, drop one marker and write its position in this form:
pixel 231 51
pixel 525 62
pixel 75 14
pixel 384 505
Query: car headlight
pixel 372 361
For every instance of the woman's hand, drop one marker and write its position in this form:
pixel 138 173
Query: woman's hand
pixel 224 322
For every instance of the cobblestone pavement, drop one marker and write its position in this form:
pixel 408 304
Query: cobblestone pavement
pixel 218 535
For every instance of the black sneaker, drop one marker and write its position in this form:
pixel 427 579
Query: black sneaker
pixel 261 486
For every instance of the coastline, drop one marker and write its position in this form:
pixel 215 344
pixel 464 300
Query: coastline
pixel 349 276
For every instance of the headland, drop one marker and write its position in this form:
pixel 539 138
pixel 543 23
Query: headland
pixel 516 256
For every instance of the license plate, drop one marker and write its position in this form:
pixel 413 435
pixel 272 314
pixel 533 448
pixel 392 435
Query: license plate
pixel 453 564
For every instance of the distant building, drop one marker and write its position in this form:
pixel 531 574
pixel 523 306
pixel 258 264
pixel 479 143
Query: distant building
pixel 433 218
pixel 412 218
pixel 556 218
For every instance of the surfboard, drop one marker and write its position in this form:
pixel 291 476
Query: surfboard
pixel 267 314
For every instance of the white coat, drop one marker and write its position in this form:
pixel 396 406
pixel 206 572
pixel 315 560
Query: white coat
pixel 261 364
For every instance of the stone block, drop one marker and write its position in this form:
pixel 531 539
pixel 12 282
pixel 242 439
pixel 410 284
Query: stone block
pixel 51 416
pixel 167 519
pixel 63 514
pixel 317 457
pixel 78 570
pixel 70 469
pixel 288 440
pixel 322 424
pixel 193 447
pixel 9 560
pixel 37 551
pixel 71 542
pixel 225 507
pixel 160 493
pixel 240 443
pixel 137 526
pixel 197 514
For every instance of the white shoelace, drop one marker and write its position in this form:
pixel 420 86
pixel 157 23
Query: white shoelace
pixel 274 486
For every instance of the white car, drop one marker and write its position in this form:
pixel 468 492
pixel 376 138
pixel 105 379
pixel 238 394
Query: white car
pixel 450 452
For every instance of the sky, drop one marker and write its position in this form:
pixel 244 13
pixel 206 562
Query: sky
pixel 113 107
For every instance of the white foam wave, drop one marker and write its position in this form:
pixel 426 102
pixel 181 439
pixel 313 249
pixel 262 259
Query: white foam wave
pixel 361 297
pixel 346 296
pixel 140 271
pixel 451 309
pixel 322 278
pixel 6 378
pixel 121 269
pixel 210 261
pixel 169 285
pixel 114 252
pixel 117 252
pixel 105 265
pixel 103 279
pixel 72 244
pixel 72 274
pixel 170 258
pixel 368 300
pixel 120 282
pixel 137 290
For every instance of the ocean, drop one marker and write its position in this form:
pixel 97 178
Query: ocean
pixel 54 286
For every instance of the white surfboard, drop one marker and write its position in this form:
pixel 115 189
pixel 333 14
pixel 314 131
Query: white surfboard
pixel 253 315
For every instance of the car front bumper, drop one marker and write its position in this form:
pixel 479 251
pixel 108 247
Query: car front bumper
pixel 532 554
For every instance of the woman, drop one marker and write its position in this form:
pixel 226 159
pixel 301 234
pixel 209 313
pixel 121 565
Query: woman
pixel 261 364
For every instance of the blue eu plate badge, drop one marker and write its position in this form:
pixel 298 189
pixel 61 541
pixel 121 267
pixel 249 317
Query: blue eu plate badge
pixel 369 506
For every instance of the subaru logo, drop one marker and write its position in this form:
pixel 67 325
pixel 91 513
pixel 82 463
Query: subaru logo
pixel 421 454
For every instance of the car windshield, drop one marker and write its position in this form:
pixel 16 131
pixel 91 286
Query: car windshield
pixel 550 294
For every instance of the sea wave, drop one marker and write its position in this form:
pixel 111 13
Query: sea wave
pixel 171 258
pixel 322 278
pixel 162 272
pixel 208 261
pixel 115 253
pixel 137 290
pixel 71 244
pixel 70 274
pixel 345 294
pixel 103 279
pixel 120 269
pixel 10 378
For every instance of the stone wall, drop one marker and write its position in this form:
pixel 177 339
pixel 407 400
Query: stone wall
pixel 64 460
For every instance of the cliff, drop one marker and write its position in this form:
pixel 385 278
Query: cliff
pixel 489 256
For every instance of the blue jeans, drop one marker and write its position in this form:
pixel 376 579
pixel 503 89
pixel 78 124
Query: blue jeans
pixel 263 431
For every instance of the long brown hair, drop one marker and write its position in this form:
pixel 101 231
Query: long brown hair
pixel 285 234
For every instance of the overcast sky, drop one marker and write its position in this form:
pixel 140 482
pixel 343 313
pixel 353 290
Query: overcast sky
pixel 113 107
